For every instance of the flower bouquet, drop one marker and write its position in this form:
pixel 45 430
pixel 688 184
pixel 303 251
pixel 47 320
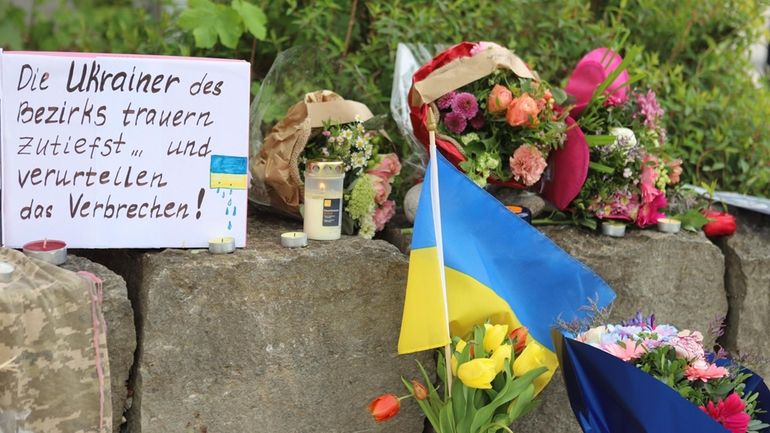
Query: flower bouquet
pixel 496 378
pixel 640 376
pixel 498 121
pixel 325 126
pixel 628 175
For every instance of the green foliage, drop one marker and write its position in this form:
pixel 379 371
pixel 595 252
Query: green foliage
pixel 695 52
pixel 210 21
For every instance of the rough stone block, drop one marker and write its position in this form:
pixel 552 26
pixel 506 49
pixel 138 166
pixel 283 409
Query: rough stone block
pixel 121 333
pixel 747 255
pixel 271 339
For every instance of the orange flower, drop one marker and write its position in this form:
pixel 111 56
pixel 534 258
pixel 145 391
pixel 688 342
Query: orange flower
pixel 523 111
pixel 499 99
pixel 384 407
pixel 519 338
pixel 420 392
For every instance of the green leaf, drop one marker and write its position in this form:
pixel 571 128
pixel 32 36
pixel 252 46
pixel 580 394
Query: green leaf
pixel 207 21
pixel 446 421
pixel 692 220
pixel 559 95
pixel 511 390
pixel 427 409
pixel 253 18
pixel 600 167
pixel 600 140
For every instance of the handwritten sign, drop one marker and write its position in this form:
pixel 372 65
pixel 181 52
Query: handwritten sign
pixel 106 151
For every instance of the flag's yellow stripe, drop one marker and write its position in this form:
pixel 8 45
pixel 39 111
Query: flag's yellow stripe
pixel 229 181
pixel 423 325
pixel 471 303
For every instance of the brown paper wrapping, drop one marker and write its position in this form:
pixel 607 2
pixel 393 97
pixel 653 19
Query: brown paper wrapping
pixel 465 70
pixel 275 169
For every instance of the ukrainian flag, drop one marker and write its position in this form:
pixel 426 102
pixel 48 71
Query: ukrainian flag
pixel 497 268
pixel 228 172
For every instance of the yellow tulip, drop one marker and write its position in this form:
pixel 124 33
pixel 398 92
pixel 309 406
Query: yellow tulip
pixel 477 373
pixel 501 354
pixel 494 336
pixel 460 346
pixel 534 356
pixel 454 365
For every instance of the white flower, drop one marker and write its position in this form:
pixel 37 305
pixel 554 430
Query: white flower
pixel 360 143
pixel 625 138
pixel 627 172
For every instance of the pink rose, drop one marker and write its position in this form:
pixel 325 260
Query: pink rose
pixel 527 164
pixel 381 188
pixel 384 213
pixel 499 99
pixel 387 167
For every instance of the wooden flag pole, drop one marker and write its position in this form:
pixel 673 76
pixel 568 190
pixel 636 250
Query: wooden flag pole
pixel 434 195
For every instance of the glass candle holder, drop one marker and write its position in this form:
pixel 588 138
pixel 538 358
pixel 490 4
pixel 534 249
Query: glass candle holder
pixel 323 200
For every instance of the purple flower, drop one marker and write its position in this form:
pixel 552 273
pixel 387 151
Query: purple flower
pixel 650 109
pixel 455 122
pixel 465 104
pixel 478 121
pixel 445 101
pixel 639 320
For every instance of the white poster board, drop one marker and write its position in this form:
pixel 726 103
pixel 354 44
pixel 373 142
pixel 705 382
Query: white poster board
pixel 111 151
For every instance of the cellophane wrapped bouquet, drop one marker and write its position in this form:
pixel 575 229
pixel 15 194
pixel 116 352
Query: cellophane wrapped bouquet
pixel 684 360
pixel 624 124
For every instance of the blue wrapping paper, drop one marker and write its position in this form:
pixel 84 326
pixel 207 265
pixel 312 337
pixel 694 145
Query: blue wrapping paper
pixel 608 395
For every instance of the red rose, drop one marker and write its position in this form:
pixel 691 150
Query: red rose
pixel 720 223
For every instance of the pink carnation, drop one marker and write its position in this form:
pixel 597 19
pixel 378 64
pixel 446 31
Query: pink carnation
pixel 384 213
pixel 381 188
pixel 703 371
pixel 527 165
pixel 688 345
pixel 387 167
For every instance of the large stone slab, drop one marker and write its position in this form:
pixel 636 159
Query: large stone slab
pixel 121 333
pixel 271 339
pixel 678 277
pixel 747 254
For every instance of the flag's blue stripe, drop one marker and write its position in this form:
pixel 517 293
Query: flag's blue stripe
pixel 486 241
pixel 223 164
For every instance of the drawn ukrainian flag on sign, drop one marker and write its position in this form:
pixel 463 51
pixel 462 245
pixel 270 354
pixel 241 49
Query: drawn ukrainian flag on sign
pixel 228 172
pixel 497 266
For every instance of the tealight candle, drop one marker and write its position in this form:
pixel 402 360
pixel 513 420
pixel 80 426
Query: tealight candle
pixel 6 272
pixel 222 245
pixel 294 239
pixel 47 250
pixel 614 229
pixel 669 225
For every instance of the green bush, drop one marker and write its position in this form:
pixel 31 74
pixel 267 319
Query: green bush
pixel 696 54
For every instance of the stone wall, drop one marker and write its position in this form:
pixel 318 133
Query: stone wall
pixel 276 340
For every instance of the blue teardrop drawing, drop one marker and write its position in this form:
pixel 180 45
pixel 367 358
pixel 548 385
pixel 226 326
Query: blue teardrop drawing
pixel 235 209
pixel 231 192
pixel 230 202
pixel 227 211
pixel 230 225
pixel 217 190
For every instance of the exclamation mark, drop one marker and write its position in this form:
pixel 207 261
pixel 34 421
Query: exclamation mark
pixel 201 193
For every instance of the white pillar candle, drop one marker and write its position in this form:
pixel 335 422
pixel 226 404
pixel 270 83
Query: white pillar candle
pixel 322 212
pixel 616 230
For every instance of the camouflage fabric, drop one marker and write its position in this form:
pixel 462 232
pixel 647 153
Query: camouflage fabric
pixel 52 380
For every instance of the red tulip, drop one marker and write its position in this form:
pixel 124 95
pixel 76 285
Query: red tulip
pixel 519 338
pixel 720 223
pixel 384 407
pixel 420 392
